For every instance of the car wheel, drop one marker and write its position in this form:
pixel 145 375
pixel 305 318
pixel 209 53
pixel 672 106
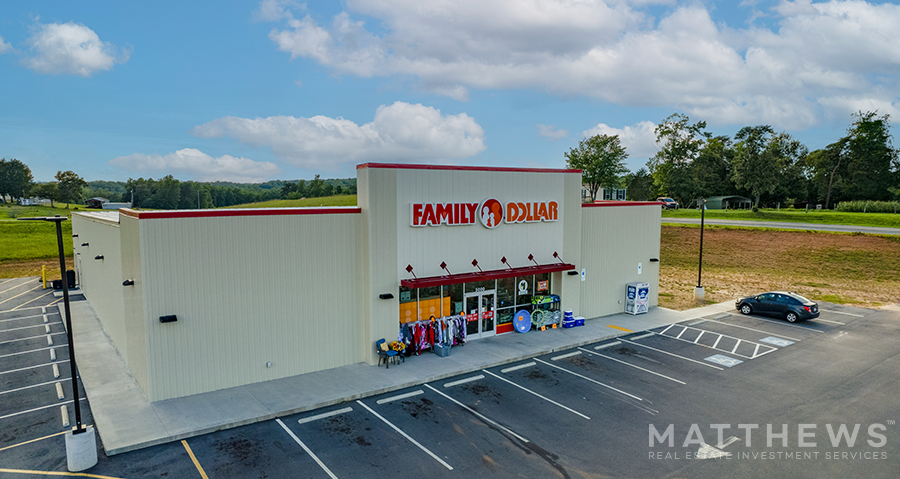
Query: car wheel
pixel 791 317
pixel 746 309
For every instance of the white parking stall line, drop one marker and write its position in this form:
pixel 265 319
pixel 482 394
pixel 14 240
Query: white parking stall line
pixel 614 343
pixel 634 366
pixel 670 327
pixel 782 323
pixel 752 329
pixel 398 397
pixel 536 394
pixel 39 408
pixel 23 317
pixel 764 353
pixel 699 336
pixel 324 415
pixel 715 345
pixel 841 312
pixel 407 436
pixel 35 350
pixel 682 332
pixel 30 337
pixel 592 380
pixel 42 308
pixel 828 321
pixel 463 381
pixel 479 415
pixel 717 341
pixel 516 368
pixel 736 345
pixel 675 355
pixel 23 327
pixel 33 386
pixel 308 451
pixel 755 351
pixel 564 356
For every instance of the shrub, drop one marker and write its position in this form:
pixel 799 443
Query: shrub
pixel 868 206
pixel 755 209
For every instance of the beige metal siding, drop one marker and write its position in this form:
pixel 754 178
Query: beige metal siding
pixel 135 325
pixel 248 290
pixel 101 280
pixel 614 240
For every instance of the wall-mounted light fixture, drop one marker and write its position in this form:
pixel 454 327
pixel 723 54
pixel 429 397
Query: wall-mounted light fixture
pixel 572 273
pixel 654 260
pixel 84 244
pixel 168 319
pixel 409 269
pixel 531 258
pixel 99 256
pixel 74 236
pixel 443 266
pixel 128 282
pixel 385 296
pixel 475 264
pixel 503 260
pixel 556 255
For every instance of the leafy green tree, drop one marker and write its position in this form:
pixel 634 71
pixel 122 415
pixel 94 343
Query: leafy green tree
pixel 825 166
pixel 70 186
pixel 710 170
pixel 15 179
pixel 680 143
pixel 601 159
pixel 316 187
pixel 48 191
pixel 870 157
pixel 638 185
pixel 765 163
pixel 789 157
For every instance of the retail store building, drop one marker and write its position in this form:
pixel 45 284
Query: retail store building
pixel 202 300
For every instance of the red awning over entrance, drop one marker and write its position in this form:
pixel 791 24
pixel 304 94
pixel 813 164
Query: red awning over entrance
pixel 486 275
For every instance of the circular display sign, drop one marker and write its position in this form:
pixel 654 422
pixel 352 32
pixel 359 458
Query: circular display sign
pixel 490 212
pixel 522 321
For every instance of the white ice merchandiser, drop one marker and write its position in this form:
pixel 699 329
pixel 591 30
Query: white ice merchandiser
pixel 637 298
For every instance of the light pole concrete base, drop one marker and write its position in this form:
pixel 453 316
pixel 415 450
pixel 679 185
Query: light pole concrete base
pixel 699 293
pixel 81 450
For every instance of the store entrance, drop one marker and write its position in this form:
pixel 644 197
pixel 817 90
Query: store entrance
pixel 479 311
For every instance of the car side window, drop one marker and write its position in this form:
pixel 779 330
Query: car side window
pixel 769 298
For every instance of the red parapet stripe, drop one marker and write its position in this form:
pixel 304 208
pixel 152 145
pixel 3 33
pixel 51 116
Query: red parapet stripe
pixel 621 203
pixel 402 166
pixel 485 275
pixel 219 213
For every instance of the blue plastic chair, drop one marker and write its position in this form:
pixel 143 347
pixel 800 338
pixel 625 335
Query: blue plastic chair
pixel 385 353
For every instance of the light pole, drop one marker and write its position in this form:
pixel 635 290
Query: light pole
pixel 699 292
pixel 81 450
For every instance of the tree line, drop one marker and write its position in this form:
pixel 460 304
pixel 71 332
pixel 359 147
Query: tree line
pixel 16 181
pixel 759 163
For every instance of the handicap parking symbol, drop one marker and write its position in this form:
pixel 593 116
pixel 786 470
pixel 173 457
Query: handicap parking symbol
pixel 777 341
pixel 724 360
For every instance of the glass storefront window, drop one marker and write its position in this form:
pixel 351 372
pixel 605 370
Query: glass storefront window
pixel 524 290
pixel 506 292
pixel 481 286
pixel 542 284
pixel 408 304
pixel 456 298
pixel 505 315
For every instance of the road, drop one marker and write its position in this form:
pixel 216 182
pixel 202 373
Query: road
pixel 792 226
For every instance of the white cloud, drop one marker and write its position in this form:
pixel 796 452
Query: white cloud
pixel 639 140
pixel 71 49
pixel 271 10
pixel 199 166
pixel 4 46
pixel 551 132
pixel 401 132
pixel 615 51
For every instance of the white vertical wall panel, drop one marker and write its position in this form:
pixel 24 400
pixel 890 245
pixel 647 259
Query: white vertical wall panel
pixel 614 240
pixel 101 280
pixel 133 298
pixel 248 290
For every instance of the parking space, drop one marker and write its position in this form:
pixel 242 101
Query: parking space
pixel 579 412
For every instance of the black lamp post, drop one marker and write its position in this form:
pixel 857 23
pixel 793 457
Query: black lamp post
pixel 698 291
pixel 79 428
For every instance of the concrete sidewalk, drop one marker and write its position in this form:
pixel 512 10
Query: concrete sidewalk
pixel 127 421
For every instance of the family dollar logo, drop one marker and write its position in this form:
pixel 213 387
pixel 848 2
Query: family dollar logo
pixel 490 213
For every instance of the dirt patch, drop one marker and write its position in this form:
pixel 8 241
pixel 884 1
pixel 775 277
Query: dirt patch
pixel 858 270
pixel 484 392
pixel 422 407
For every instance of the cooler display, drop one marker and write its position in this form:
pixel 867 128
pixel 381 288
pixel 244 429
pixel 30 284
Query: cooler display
pixel 637 298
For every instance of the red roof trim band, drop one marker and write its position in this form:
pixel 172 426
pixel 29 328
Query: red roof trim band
pixel 482 276
pixel 622 203
pixel 401 166
pixel 144 215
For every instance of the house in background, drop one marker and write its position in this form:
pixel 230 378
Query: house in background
pixel 728 203
pixel 96 203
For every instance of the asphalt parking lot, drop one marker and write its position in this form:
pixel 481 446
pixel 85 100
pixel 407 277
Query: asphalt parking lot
pixel 738 396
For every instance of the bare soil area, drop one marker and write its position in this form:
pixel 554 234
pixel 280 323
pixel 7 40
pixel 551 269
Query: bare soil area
pixel 854 269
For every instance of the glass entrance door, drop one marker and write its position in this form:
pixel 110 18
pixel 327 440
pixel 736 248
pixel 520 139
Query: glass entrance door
pixel 480 314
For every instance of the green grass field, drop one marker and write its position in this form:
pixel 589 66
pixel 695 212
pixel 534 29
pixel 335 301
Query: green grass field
pixel 794 216
pixel 340 200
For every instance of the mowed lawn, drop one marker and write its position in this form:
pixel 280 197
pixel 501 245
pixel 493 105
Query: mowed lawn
pixel 856 269
pixel 825 217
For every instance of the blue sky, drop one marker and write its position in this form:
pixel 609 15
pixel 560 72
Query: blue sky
pixel 253 91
